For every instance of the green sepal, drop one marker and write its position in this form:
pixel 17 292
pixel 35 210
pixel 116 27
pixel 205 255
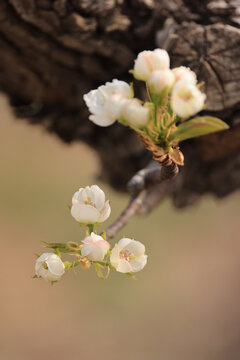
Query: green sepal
pixel 90 228
pixel 62 247
pixel 53 282
pixel 68 265
pixel 99 270
pixel 131 88
pixel 201 125
pixel 99 266
pixel 35 277
pixel 76 263
pixel 57 252
pixel 131 275
pixel 37 255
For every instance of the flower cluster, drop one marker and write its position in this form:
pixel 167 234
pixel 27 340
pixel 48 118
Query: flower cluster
pixel 162 123
pixel 90 208
pixel 174 96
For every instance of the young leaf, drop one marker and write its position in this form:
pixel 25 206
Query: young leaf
pixel 198 126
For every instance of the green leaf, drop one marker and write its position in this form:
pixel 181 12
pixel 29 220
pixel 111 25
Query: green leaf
pixel 198 126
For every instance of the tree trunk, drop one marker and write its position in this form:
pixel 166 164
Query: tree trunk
pixel 52 52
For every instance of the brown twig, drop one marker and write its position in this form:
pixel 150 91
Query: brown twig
pixel 132 209
pixel 152 174
pixel 141 186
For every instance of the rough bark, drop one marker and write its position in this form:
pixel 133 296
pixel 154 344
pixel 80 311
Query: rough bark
pixel 52 52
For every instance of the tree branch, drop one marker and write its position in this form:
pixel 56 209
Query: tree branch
pixel 144 186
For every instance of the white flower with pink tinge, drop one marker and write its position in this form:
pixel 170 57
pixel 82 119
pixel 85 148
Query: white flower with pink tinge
pixel 187 99
pixel 50 267
pixel 95 247
pixel 128 256
pixel 89 205
pixel 135 113
pixel 182 73
pixel 148 61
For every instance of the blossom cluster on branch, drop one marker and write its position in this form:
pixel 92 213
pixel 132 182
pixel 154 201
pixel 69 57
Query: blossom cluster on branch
pixel 89 208
pixel 162 121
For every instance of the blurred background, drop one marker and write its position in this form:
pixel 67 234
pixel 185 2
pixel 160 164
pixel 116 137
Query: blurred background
pixel 184 305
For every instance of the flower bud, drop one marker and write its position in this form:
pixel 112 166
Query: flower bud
pixel 186 99
pixel 49 266
pixel 184 74
pixel 135 114
pixel 89 205
pixel 94 247
pixel 149 61
pixel 161 80
pixel 128 256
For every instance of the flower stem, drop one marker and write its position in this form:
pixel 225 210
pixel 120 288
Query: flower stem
pixel 90 228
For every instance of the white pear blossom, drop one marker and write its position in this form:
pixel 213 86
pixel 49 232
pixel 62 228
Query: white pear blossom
pixel 161 80
pixel 135 113
pixel 148 61
pixel 182 73
pixel 104 106
pixel 128 256
pixel 186 99
pixel 49 266
pixel 114 106
pixel 95 247
pixel 89 205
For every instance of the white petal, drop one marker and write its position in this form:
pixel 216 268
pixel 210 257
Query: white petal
pixel 186 99
pixel 85 214
pixel 139 263
pixel 96 254
pixel 43 257
pixel 105 212
pixel 135 113
pixel 95 101
pixel 114 257
pixel 161 80
pixel 123 243
pixel 101 120
pixel 86 249
pixel 124 266
pixel 99 196
pixel 95 251
pixel 93 238
pixel 55 266
pixel 160 59
pixel 142 66
pixel 75 197
pixel 117 87
pixel 82 196
pixel 42 272
pixel 114 106
pixel 135 247
pixel 185 74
